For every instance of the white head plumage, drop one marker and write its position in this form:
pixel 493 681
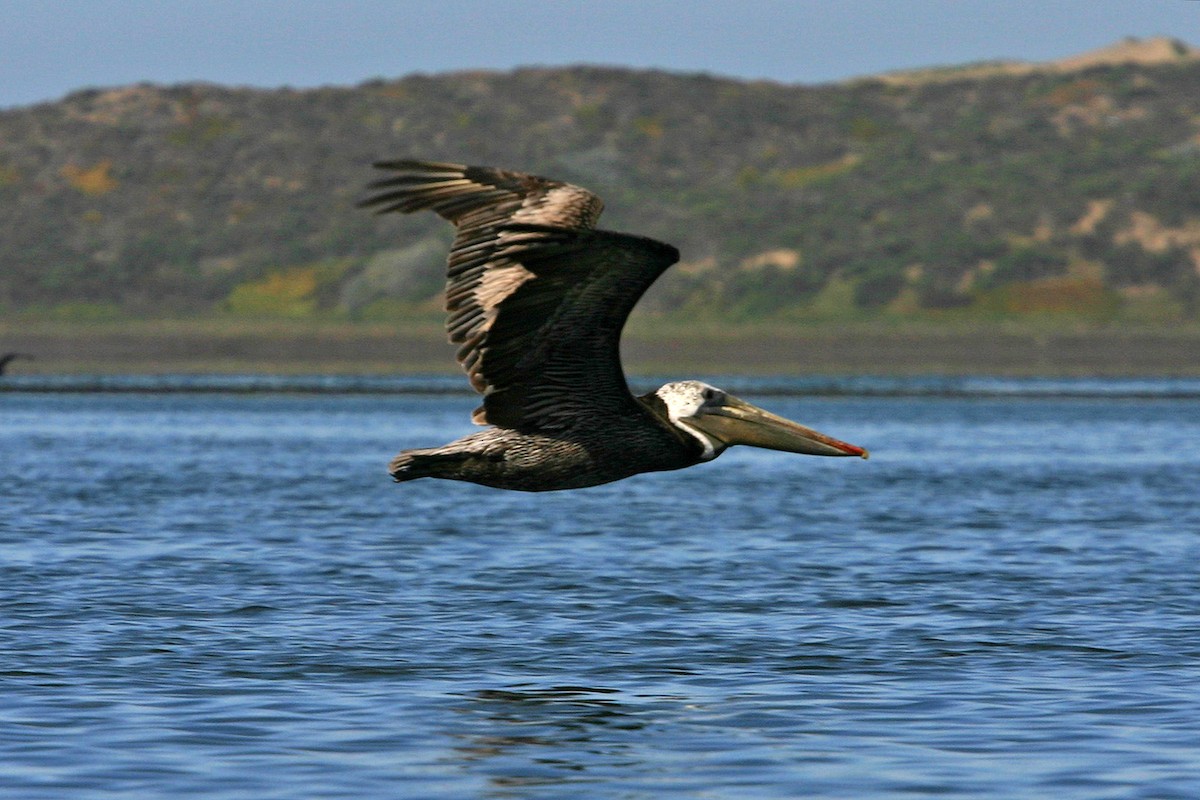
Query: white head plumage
pixel 685 399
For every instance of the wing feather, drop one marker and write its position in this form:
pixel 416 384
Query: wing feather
pixel 536 297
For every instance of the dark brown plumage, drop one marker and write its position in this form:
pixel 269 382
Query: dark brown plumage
pixel 536 298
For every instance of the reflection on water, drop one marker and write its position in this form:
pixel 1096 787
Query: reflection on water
pixel 221 595
pixel 524 735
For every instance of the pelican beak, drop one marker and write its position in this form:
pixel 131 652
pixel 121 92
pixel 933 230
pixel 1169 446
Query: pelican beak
pixel 737 422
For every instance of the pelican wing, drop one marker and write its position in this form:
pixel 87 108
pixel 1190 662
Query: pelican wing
pixel 536 297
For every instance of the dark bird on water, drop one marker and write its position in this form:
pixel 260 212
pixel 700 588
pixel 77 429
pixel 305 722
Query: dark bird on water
pixel 8 358
pixel 536 298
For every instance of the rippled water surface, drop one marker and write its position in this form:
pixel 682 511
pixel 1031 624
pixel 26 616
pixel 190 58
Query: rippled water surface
pixel 221 595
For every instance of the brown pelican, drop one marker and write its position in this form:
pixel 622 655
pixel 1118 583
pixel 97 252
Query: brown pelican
pixel 536 298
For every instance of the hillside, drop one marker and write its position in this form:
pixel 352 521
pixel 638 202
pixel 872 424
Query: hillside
pixel 1156 51
pixel 1068 189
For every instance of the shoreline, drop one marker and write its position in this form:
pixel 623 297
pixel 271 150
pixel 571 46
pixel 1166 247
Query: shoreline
pixel 290 348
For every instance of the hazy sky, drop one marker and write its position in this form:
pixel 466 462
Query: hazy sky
pixel 51 47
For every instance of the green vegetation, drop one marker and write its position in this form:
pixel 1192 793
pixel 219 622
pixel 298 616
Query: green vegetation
pixel 1044 197
pixel 289 292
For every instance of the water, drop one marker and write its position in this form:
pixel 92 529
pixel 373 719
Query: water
pixel 221 595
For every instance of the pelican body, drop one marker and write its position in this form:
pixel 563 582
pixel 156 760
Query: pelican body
pixel 536 298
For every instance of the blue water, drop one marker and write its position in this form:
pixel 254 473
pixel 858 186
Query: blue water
pixel 220 594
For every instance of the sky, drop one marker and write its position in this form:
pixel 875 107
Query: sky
pixel 49 48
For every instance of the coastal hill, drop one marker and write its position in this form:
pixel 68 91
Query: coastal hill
pixel 1148 52
pixel 1000 189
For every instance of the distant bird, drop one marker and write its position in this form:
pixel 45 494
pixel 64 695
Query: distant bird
pixel 8 358
pixel 536 298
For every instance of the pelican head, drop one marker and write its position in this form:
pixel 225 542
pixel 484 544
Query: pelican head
pixel 719 420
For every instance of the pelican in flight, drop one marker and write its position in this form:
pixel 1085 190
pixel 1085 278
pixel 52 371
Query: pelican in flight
pixel 536 298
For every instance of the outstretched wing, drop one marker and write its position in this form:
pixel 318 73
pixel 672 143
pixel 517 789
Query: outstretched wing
pixel 536 296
